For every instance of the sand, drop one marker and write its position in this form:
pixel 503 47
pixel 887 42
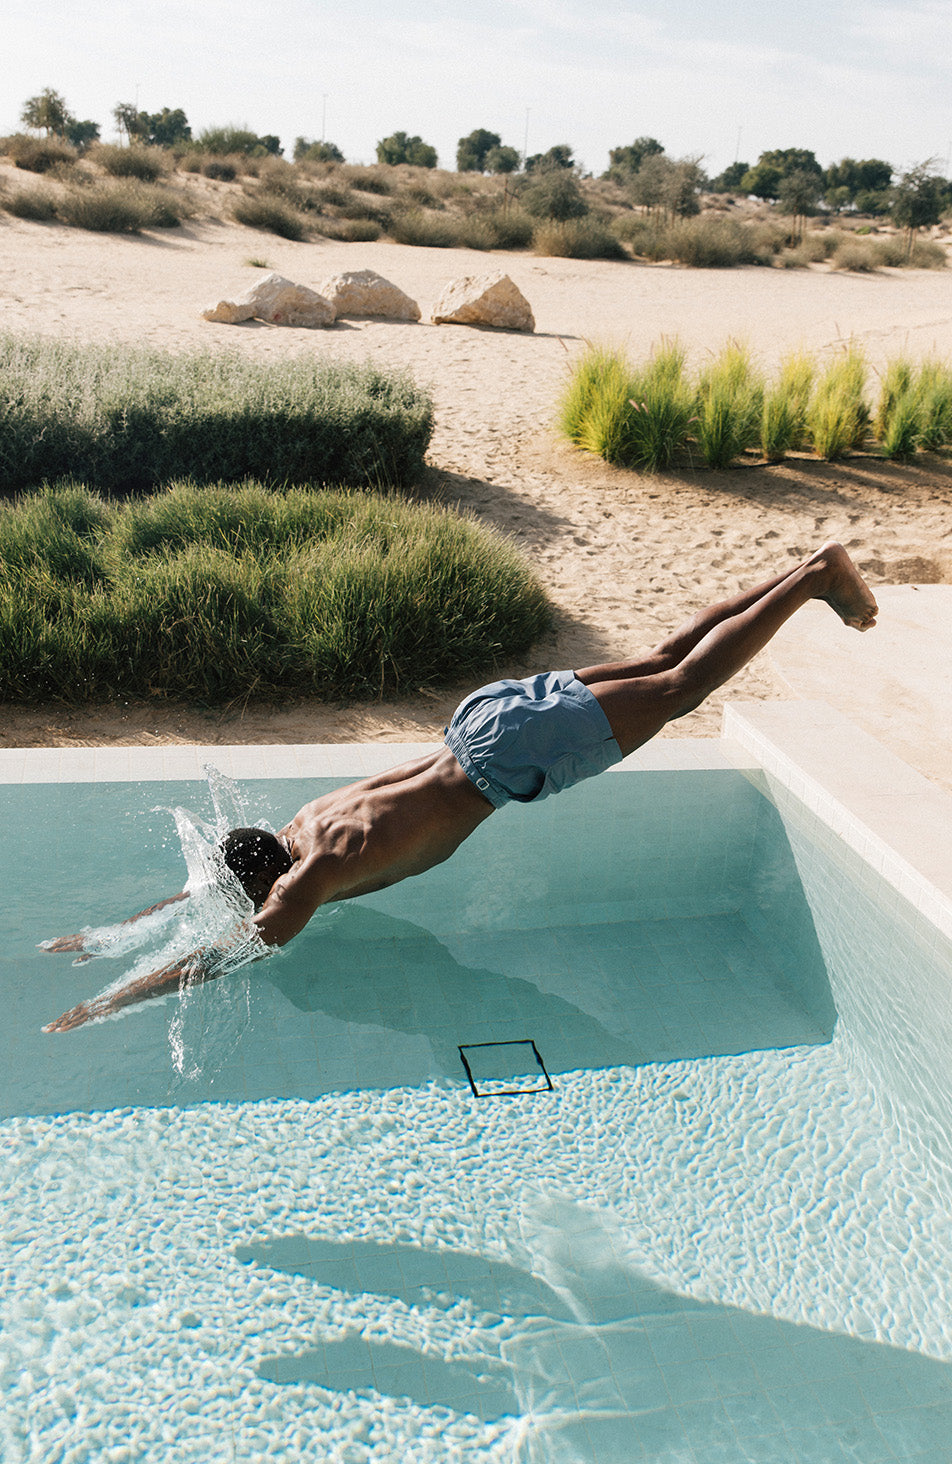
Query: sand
pixel 623 556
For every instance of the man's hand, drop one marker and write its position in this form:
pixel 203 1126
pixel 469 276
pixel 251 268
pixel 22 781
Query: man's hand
pixel 77 1017
pixel 64 943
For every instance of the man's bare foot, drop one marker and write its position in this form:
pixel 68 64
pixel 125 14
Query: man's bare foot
pixel 847 592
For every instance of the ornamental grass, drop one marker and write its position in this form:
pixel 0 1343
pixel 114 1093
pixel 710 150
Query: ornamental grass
pixel 218 594
pixel 650 416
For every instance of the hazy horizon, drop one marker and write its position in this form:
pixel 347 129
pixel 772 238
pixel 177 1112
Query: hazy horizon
pixel 723 80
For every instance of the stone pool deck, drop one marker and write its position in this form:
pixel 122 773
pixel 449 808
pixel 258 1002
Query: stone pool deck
pixel 895 682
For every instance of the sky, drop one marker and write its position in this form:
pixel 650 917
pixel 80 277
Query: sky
pixel 723 79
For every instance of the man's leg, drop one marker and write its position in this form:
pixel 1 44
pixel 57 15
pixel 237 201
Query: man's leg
pixel 675 647
pixel 638 705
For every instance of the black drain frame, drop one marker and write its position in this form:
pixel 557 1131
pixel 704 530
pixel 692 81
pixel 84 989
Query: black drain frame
pixel 465 1047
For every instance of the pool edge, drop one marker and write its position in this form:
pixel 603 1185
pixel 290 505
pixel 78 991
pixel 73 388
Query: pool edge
pixel 898 821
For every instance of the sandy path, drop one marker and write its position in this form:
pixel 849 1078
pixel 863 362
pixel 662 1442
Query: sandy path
pixel 623 556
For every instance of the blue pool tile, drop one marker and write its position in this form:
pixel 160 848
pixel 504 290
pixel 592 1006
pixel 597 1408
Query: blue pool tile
pixel 778 1367
pixel 688 1382
pixel 753 1415
pixel 674 1342
pixel 706 1425
pixel 815 1442
pixel 641 1391
pixel 733 1372
pixel 840 1399
pixel 917 1430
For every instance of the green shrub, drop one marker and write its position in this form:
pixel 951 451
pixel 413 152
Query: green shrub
pixel 511 228
pixel 368 180
pixel 220 170
pixel 861 256
pixel 897 381
pixel 890 251
pixel 554 195
pixel 902 429
pixel 39 155
pixel 430 231
pixel 819 244
pixel 272 217
pixel 126 419
pixel 706 242
pixel 120 208
pixel 475 232
pixel 496 229
pixel 576 239
pixel 730 401
pixel 31 203
pixel 641 418
pixel 225 141
pixel 335 196
pixel 423 197
pixel 637 418
pixel 221 594
pixel 148 164
pixel 838 417
pixel 360 210
pixel 927 254
pixel 596 402
pixel 350 231
pixel 914 408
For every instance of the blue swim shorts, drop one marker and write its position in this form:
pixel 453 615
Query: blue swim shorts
pixel 522 740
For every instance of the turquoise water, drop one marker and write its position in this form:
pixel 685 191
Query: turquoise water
pixel 721 1235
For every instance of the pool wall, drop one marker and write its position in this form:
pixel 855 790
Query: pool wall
pixel 872 842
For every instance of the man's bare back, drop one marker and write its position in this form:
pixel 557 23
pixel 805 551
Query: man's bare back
pixel 383 829
pixel 369 835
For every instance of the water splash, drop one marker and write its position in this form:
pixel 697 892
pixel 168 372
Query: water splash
pixel 213 920
pixel 216 917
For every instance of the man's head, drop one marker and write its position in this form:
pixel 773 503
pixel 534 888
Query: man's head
pixel 256 858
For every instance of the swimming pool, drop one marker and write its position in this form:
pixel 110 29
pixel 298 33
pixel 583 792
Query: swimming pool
pixel 720 1235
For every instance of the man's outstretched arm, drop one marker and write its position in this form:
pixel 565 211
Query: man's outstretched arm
pixel 77 942
pixel 287 909
pixel 156 983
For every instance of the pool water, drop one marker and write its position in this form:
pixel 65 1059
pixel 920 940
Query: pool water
pixel 720 1235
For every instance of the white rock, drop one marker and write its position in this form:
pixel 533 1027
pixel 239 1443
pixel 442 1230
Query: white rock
pixel 490 299
pixel 230 312
pixel 364 292
pixel 277 301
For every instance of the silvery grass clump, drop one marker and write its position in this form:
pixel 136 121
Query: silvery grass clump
pixel 125 419
pixel 220 594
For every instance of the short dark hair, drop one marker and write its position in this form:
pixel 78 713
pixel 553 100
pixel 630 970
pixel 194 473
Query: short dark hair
pixel 254 856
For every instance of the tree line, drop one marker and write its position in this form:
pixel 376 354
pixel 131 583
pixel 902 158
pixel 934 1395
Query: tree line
pixel 791 178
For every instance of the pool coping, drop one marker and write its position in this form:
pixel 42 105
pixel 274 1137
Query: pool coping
pixel 898 821
pixel 185 761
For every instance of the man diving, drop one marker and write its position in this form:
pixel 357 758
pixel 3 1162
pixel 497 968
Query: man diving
pixel 511 741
